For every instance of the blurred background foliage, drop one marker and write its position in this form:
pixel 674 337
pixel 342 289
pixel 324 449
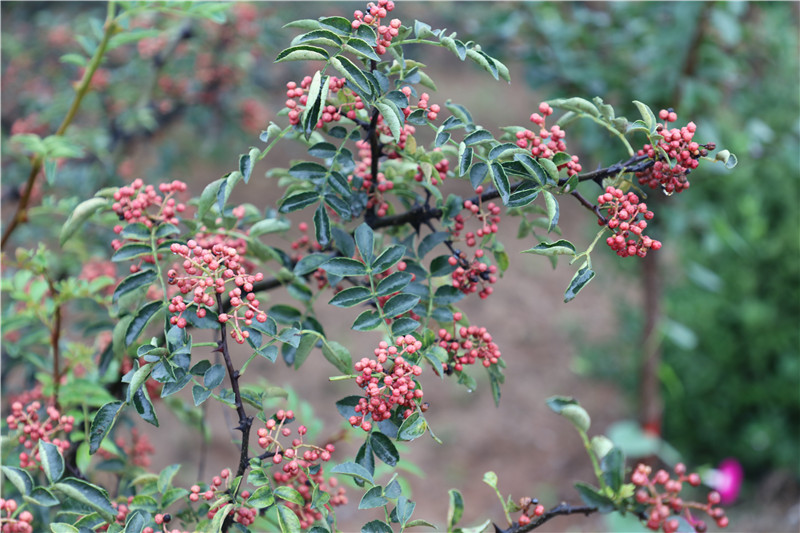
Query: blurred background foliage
pixel 730 370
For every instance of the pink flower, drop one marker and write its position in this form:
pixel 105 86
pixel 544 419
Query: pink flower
pixel 727 480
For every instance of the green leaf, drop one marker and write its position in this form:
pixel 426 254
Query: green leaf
pixel 166 475
pixel 262 497
pixel 455 510
pixel 367 321
pixel 373 498
pixel 613 467
pixel 581 278
pixel 576 105
pixel 136 521
pixel 477 174
pixel 102 423
pixel 593 498
pixel 140 321
pixel 219 519
pixel 500 180
pixel 552 210
pixel 51 460
pixel 130 251
pixel 338 356
pixel 310 263
pixel 352 73
pixel 137 280
pixel 209 196
pixel 344 266
pixel 287 520
pixel 412 427
pixel 477 137
pixel 214 376
pixel 728 159
pixel 393 118
pixel 89 495
pixel 323 37
pixel 303 52
pixel 143 406
pixel 388 258
pixel 62 527
pixel 42 497
pixel 353 470
pixel 648 116
pixel 340 25
pixel 384 448
pixel 200 394
pixel 289 494
pixel 82 212
pixel 299 201
pixel 269 225
pixel 322 225
pixel 560 247
pixel 394 282
pixel 365 242
pixel 361 47
pixel 376 526
pixel 20 478
pixel 464 158
pixel 399 304
pixel 351 296
pixel 569 408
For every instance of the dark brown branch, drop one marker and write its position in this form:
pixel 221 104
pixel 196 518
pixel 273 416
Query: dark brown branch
pixel 562 509
pixel 245 422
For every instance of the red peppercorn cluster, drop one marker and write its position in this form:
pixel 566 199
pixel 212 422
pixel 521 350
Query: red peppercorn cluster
pixel 298 100
pixel 387 389
pixel 682 152
pixel 208 273
pixel 472 344
pixel 33 429
pixel 469 276
pixel 661 493
pixel 547 143
pixel 219 486
pixel 14 524
pixel 297 460
pixel 137 203
pixel 623 212
pixel 442 168
pixel 531 508
pixel 375 13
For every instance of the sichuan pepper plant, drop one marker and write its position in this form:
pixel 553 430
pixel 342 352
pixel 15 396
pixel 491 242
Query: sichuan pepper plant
pixel 380 240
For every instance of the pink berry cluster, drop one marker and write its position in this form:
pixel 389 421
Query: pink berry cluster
pixel 473 276
pixel 375 13
pixel 219 485
pixel 623 212
pixel 531 508
pixel 433 110
pixel 547 143
pixel 661 493
pixel 384 388
pixel 442 168
pixel 139 203
pixel 297 460
pixel 14 524
pixel 680 149
pixel 162 519
pixel 471 345
pixel 208 271
pixel 298 100
pixel 34 429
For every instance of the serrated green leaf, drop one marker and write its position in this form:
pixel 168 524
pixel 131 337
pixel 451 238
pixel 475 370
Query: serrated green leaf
pixel 337 355
pixel 384 449
pixel 399 304
pixel 299 201
pixel 51 460
pixel 140 320
pixel 352 73
pixel 20 478
pixel 87 494
pixel 388 258
pixel 412 427
pixel 303 52
pixel 351 296
pixel 353 470
pixel 593 498
pixel 102 423
pixel 581 278
pixel 344 266
pixel 367 321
